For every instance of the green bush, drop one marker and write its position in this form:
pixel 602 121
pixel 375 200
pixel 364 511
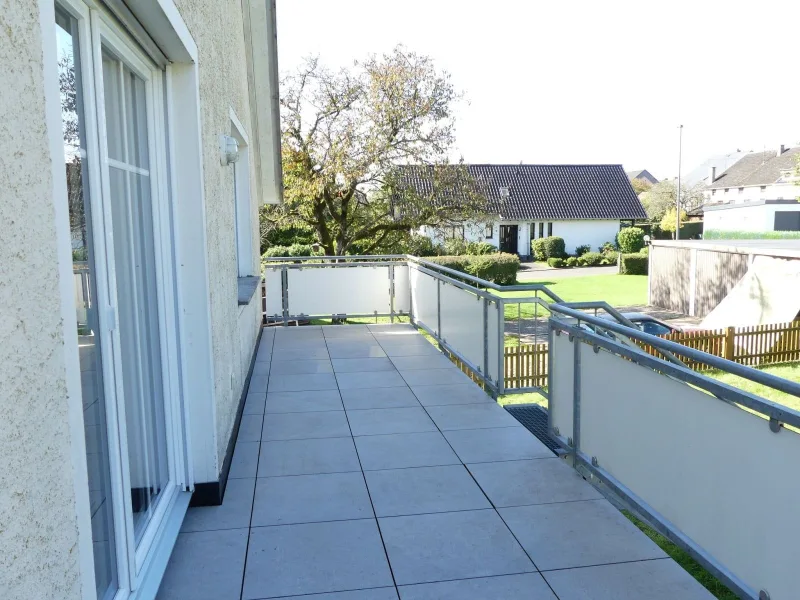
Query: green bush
pixel 645 251
pixel 611 257
pixel 276 251
pixel 719 234
pixel 538 249
pixel 582 249
pixel 572 261
pixel 455 247
pixel 590 259
pixel 630 239
pixel 501 268
pixel 476 248
pixel 558 263
pixel 607 247
pixel 633 264
pixel 286 236
pixel 293 250
pixel 421 245
pixel 554 247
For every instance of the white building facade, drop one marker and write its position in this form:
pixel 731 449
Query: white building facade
pixel 757 215
pixel 136 163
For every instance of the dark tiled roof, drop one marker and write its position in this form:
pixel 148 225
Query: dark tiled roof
pixel 757 168
pixel 547 191
pixel 642 174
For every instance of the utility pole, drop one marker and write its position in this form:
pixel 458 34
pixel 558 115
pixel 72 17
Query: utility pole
pixel 678 202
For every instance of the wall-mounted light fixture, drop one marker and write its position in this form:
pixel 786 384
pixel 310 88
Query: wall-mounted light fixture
pixel 228 150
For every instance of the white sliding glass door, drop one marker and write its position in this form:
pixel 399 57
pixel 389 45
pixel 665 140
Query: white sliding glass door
pixel 113 108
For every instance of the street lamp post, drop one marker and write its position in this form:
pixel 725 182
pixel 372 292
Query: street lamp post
pixel 678 201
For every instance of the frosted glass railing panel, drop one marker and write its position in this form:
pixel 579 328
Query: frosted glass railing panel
pixel 339 290
pixel 272 283
pixel 462 323
pixel 712 469
pixel 560 385
pixel 402 291
pixel 423 298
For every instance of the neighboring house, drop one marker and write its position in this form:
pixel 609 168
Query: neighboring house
pixel 755 215
pixel 719 163
pixel 642 175
pixel 584 204
pixel 150 162
pixel 759 176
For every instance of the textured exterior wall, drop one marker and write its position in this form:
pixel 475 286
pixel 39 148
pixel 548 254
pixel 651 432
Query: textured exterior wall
pixel 760 217
pixel 218 31
pixel 669 277
pixel 716 275
pixel 38 525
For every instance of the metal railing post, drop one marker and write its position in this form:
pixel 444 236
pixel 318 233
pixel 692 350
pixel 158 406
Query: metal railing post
pixel 485 338
pixel 576 400
pixel 501 321
pixel 285 295
pixel 391 293
pixel 439 309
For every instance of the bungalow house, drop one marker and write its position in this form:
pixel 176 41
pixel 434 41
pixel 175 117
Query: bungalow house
pixel 584 204
pixel 642 175
pixel 135 161
pixel 755 177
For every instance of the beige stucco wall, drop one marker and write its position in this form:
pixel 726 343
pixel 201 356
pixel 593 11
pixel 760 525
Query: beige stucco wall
pixel 218 31
pixel 38 525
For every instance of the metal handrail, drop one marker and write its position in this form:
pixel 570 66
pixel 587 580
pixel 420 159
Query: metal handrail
pixel 778 383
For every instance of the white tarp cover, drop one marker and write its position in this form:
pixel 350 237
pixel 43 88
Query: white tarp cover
pixel 768 293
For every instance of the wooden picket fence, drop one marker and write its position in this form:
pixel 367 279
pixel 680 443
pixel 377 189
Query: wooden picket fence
pixel 757 345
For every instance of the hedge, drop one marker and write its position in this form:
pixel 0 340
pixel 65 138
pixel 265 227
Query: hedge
pixel 558 263
pixel 475 248
pixel 583 249
pixel 500 268
pixel 549 247
pixel 719 234
pixel 630 239
pixel 590 259
pixel 293 250
pixel 538 249
pixel 572 261
pixel 633 264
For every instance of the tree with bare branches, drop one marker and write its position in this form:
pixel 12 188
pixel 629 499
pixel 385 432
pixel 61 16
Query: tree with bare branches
pixel 344 135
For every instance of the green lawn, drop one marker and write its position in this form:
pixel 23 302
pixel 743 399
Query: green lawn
pixel 617 290
pixel 790 371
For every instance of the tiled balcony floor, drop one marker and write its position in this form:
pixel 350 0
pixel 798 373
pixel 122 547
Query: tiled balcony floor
pixel 368 467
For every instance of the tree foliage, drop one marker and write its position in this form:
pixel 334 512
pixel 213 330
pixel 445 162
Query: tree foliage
pixel 668 220
pixel 640 185
pixel 343 135
pixel 663 196
pixel 630 239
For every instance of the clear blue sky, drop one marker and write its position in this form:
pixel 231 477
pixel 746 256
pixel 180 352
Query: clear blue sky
pixel 583 82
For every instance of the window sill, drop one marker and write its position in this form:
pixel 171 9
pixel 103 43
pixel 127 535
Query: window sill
pixel 247 289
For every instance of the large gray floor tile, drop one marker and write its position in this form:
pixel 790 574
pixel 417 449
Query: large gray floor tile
pixel 316 352
pixel 528 586
pixel 449 376
pixel 387 397
pixel 264 353
pixel 424 490
pixel 392 329
pixel 387 593
pixel 651 579
pixel 489 445
pixel 233 513
pixel 306 401
pixel 254 404
pixel 261 368
pixel 358 365
pixel 206 565
pixel 378 421
pixel 409 363
pixel 423 348
pixel 379 379
pixel 289 560
pixel 471 416
pixel 307 457
pixel 250 428
pixel 297 367
pixel 355 349
pixel 311 498
pixel 442 395
pixel 578 534
pixel 301 382
pixel 305 425
pixel 522 482
pixel 456 545
pixel 404 450
pixel 258 384
pixel 245 460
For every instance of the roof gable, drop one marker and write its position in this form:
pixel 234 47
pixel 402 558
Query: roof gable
pixel 551 192
pixel 757 168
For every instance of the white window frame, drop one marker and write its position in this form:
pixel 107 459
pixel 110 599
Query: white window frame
pixel 243 200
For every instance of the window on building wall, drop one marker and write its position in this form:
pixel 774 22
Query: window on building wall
pixel 763 188
pixel 549 230
pixel 454 233
pixel 541 230
pixel 741 190
pixel 726 190
pixel 713 192
pixel 242 200
pixel 489 231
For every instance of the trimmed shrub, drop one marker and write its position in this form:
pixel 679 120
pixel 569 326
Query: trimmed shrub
pixel 645 251
pixel 633 264
pixel 499 267
pixel 477 248
pixel 719 234
pixel 276 251
pixel 590 259
pixel 292 251
pixel 630 239
pixel 554 247
pixel 572 261
pixel 607 247
pixel 455 247
pixel 611 257
pixel 582 249
pixel 538 249
pixel 421 245
pixel 558 263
